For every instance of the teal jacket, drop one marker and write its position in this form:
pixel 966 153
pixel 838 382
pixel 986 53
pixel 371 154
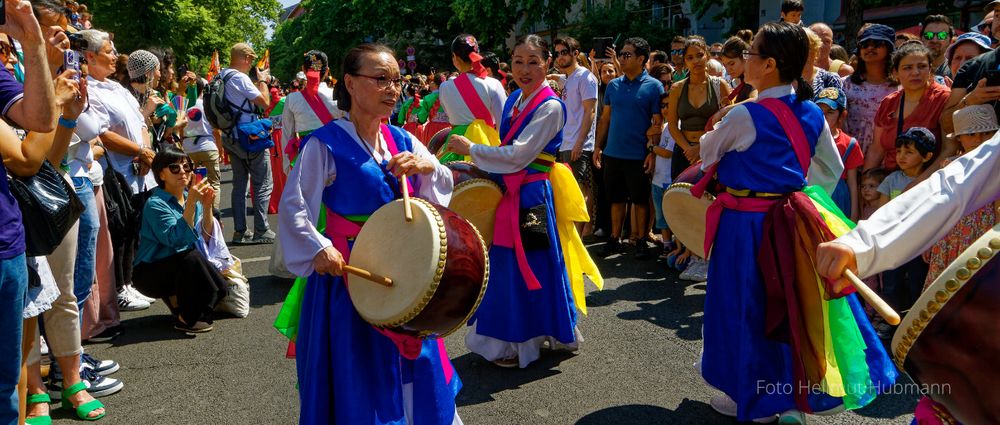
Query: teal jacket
pixel 163 231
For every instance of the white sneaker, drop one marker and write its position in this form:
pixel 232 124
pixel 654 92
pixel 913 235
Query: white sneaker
pixel 139 295
pixel 726 406
pixel 129 302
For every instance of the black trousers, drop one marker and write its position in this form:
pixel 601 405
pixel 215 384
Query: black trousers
pixel 188 276
pixel 901 287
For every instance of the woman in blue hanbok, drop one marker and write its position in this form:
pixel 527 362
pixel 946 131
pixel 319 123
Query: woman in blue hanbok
pixel 349 372
pixel 535 258
pixel 778 340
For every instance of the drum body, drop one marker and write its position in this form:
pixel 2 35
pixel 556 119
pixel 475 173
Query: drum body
pixel 949 342
pixel 438 263
pixel 437 140
pixel 476 200
pixel 463 171
pixel 684 213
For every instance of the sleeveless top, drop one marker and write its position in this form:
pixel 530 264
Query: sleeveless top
pixel 695 119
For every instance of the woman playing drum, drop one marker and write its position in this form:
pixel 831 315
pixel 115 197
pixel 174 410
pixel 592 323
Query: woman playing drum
pixel 349 372
pixel 528 299
pixel 776 339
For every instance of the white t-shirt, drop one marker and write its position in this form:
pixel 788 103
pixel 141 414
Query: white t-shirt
pixel 580 86
pixel 241 91
pixel 661 175
pixel 490 90
pixel 116 110
pixel 198 132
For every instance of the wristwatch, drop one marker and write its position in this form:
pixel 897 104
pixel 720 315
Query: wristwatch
pixel 649 148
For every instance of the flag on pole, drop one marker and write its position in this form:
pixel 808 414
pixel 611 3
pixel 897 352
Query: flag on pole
pixel 214 67
pixel 265 61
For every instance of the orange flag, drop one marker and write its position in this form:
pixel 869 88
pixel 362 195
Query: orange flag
pixel 214 67
pixel 265 61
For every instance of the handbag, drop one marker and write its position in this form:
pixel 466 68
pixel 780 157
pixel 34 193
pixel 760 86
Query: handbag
pixel 255 136
pixel 118 201
pixel 49 208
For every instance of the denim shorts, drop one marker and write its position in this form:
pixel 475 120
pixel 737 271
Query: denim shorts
pixel 661 222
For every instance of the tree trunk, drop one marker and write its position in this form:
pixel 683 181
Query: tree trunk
pixel 855 18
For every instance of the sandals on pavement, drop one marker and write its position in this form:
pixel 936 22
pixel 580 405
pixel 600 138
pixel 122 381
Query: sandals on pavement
pixel 36 399
pixel 84 410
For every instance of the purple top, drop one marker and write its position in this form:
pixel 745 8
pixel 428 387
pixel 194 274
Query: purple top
pixel 11 231
pixel 10 90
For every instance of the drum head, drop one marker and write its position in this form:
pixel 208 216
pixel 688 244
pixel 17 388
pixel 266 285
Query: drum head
pixel 407 253
pixel 685 215
pixel 476 200
pixel 438 139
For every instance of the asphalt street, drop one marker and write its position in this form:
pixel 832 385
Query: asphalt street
pixel 635 366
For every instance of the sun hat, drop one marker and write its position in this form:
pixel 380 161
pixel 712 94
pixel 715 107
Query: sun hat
pixel 974 119
pixel 980 40
pixel 881 33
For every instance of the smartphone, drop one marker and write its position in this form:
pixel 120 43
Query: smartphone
pixel 201 173
pixel 181 72
pixel 993 77
pixel 601 45
pixel 72 60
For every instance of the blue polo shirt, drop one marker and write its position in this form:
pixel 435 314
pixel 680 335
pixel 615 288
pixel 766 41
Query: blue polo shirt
pixel 633 103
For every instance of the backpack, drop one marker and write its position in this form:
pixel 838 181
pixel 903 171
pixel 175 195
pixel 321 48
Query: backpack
pixel 219 111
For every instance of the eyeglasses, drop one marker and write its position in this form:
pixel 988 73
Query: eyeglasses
pixel 383 82
pixel 941 35
pixel 870 44
pixel 563 52
pixel 176 168
pixel 625 55
pixel 747 54
pixel 677 52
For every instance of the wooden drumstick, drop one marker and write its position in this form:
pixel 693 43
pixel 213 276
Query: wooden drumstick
pixel 404 187
pixel 873 299
pixel 381 280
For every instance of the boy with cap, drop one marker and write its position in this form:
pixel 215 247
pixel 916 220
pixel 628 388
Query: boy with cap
pixel 833 102
pixel 914 149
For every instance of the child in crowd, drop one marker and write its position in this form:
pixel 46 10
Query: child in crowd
pixel 973 126
pixel 871 200
pixel 833 102
pixel 791 11
pixel 914 150
pixel 661 179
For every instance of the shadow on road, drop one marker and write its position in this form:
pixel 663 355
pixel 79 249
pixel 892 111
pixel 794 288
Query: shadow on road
pixel 482 379
pixel 667 303
pixel 688 412
pixel 268 290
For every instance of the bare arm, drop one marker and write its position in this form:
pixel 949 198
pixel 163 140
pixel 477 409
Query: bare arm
pixel 845 70
pixel 875 155
pixel 673 120
pixel 23 158
pixel 36 111
pixel 71 98
pixel 852 187
pixel 602 134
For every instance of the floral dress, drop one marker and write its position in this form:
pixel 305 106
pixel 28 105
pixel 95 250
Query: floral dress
pixel 863 101
pixel 965 232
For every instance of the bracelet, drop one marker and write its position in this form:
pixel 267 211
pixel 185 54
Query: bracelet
pixel 67 123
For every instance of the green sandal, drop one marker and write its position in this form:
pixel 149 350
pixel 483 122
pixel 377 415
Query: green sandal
pixel 39 420
pixel 82 411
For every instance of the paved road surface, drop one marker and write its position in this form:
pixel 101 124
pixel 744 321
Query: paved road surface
pixel 635 367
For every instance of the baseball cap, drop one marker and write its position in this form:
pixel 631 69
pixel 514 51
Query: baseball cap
pixel 832 97
pixel 242 49
pixel 921 137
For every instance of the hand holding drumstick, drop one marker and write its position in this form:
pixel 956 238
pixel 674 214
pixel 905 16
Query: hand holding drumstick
pixel 330 261
pixel 838 262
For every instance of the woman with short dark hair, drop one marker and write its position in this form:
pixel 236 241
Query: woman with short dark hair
pixel 763 152
pixel 349 372
pixel 168 264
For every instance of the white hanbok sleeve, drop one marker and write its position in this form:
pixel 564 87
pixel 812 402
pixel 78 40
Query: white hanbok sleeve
pixel 916 219
pixel 301 205
pixel 826 167
pixel 735 132
pixel 498 97
pixel 437 186
pixel 545 124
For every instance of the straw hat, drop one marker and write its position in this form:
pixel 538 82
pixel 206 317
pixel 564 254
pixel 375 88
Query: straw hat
pixel 974 119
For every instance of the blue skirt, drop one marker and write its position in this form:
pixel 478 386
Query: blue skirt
pixel 350 374
pixel 509 311
pixel 738 358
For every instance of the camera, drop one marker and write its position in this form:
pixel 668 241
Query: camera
pixel 77 42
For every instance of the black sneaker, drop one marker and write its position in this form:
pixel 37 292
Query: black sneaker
pixel 642 251
pixel 197 328
pixel 611 248
pixel 108 334
pixel 100 367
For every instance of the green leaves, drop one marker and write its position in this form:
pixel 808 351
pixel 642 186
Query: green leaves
pixel 193 28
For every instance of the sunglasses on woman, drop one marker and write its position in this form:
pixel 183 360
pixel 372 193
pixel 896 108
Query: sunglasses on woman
pixel 176 168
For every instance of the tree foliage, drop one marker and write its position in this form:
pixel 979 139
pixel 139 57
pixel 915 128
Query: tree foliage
pixel 744 13
pixel 193 28
pixel 619 22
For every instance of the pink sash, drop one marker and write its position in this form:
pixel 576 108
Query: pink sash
pixel 797 137
pixel 318 108
pixel 472 99
pixel 507 229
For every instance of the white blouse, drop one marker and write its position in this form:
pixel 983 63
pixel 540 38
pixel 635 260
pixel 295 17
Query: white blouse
pixel 298 116
pixel 549 118
pixel 913 221
pixel 302 199
pixel 490 90
pixel 736 132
